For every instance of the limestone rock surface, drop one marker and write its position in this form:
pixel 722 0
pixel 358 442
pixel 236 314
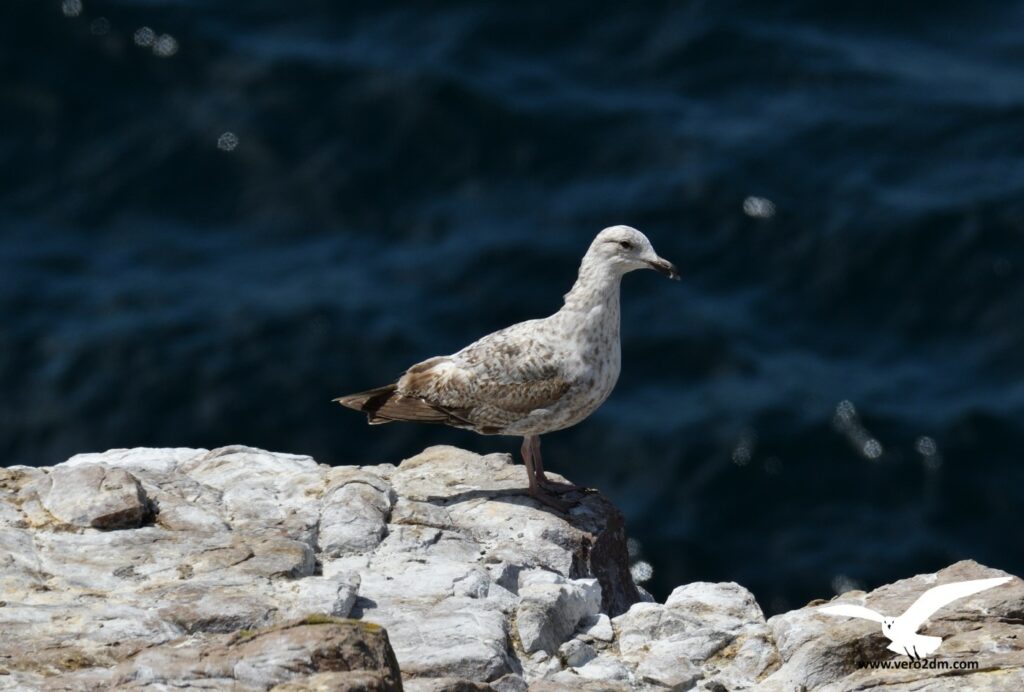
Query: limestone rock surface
pixel 145 560
pixel 236 568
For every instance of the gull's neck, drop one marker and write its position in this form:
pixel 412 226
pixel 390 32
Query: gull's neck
pixel 589 320
pixel 597 286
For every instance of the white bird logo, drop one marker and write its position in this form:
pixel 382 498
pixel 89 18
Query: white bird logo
pixel 902 631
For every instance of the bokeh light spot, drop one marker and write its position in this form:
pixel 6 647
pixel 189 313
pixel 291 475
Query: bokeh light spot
pixel 71 8
pixel 632 547
pixel 227 141
pixel 758 208
pixel 743 453
pixel 641 571
pixel 144 36
pixel 926 446
pixel 929 450
pixel 165 46
pixel 872 449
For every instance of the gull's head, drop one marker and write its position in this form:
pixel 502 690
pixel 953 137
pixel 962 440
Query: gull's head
pixel 887 624
pixel 627 249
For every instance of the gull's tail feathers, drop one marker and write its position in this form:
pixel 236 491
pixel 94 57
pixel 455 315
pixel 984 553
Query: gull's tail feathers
pixel 386 405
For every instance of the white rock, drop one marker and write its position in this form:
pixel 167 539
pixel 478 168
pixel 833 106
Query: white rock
pixel 158 459
pixel 598 627
pixel 551 607
pixel 10 517
pixel 667 664
pixel 576 653
pixel 418 513
pixel 315 595
pixel 353 518
pixel 391 582
pixel 94 495
pixel 261 490
pixel 604 667
pixel 458 637
pixel 671 645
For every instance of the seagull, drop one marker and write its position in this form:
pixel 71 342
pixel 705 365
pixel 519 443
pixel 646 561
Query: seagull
pixel 534 377
pixel 902 631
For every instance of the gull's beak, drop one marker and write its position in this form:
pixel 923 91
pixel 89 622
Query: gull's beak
pixel 665 267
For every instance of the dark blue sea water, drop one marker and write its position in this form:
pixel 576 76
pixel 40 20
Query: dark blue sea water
pixel 210 228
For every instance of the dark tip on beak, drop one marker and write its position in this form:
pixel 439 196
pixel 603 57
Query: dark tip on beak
pixel 664 267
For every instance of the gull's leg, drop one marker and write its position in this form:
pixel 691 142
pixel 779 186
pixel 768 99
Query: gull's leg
pixel 538 467
pixel 527 451
pixel 538 461
pixel 537 490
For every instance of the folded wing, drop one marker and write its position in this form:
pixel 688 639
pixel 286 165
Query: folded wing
pixel 486 386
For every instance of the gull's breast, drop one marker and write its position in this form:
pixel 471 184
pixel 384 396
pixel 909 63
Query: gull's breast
pixel 591 361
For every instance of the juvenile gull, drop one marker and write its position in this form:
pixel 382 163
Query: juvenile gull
pixel 534 377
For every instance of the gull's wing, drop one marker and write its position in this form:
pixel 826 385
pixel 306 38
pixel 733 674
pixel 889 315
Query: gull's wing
pixel 492 382
pixel 936 597
pixel 852 611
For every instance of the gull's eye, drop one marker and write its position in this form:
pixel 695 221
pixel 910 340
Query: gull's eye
pixel 625 245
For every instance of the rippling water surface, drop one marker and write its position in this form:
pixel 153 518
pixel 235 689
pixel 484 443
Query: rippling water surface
pixel 216 216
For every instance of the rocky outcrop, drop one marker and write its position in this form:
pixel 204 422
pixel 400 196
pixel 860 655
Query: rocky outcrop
pixel 144 559
pixel 985 630
pixel 243 569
